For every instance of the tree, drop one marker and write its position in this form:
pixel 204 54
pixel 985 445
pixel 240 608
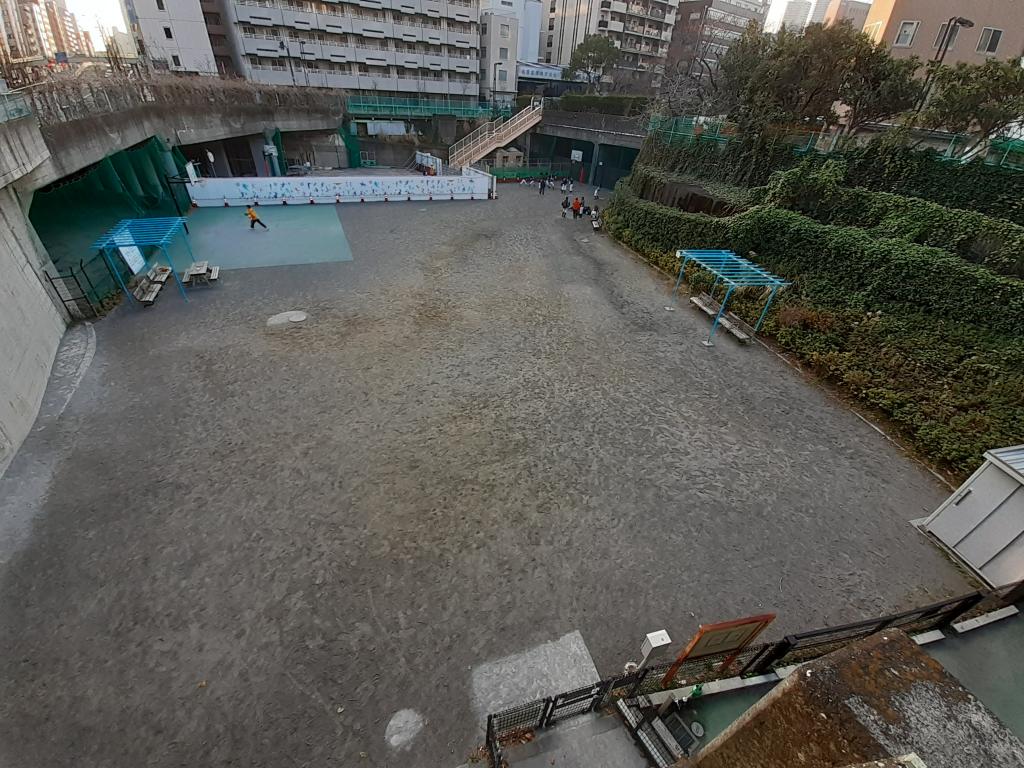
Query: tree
pixel 592 57
pixel 877 87
pixel 980 99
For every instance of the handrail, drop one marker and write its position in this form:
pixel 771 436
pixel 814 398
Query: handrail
pixel 466 150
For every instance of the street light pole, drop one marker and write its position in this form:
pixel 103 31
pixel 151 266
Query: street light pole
pixel 954 23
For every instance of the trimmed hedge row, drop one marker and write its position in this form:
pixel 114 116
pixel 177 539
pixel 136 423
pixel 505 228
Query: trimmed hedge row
pixel 881 165
pixel 930 340
pixel 815 191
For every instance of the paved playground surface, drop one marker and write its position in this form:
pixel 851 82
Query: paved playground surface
pixel 236 544
pixel 295 234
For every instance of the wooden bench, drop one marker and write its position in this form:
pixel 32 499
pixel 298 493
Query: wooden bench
pixel 158 274
pixel 214 273
pixel 732 323
pixel 146 292
pixel 200 273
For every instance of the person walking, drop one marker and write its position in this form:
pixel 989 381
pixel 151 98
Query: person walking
pixel 563 187
pixel 254 218
pixel 576 206
pixel 570 186
pixel 566 205
pixel 543 185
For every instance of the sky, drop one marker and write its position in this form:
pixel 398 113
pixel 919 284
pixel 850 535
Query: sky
pixel 92 14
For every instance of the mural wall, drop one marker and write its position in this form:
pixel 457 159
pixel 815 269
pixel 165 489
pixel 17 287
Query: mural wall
pixel 338 189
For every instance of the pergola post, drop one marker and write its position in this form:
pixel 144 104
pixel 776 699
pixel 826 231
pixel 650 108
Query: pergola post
pixel 721 311
pixel 764 312
pixel 117 274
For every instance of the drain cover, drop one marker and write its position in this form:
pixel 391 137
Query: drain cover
pixel 283 318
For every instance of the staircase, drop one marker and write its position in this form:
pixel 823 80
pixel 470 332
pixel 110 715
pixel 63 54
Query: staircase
pixel 494 135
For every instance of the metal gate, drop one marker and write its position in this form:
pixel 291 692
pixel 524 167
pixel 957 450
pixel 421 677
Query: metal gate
pixel 71 292
pixel 577 702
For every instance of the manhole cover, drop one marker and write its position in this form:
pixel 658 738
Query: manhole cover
pixel 284 318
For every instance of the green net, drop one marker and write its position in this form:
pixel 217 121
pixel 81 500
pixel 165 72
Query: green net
pixel 70 214
pixel 352 146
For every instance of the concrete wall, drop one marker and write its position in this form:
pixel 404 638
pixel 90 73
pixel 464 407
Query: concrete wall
pixel 80 143
pixel 593 127
pixel 30 323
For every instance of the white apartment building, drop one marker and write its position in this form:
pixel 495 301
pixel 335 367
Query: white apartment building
pixel 795 15
pixel 641 29
pixel 499 37
pixel 403 48
pixel 529 14
pixel 172 34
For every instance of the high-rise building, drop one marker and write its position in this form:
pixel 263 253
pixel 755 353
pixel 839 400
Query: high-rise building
pixel 705 29
pixel 499 35
pixel 171 34
pixel 918 28
pixel 853 11
pixel 795 15
pixel 400 48
pixel 640 29
pixel 35 22
pixel 64 28
pixel 529 14
pixel 87 45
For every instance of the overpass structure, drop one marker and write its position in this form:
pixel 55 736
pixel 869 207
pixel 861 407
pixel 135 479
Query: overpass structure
pixel 600 138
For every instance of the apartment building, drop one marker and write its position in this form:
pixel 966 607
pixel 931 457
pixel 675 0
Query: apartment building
pixel 795 15
pixel 641 29
pixel 705 29
pixel 917 28
pixel 499 38
pixel 64 28
pixel 390 47
pixel 853 11
pixel 172 35
pixel 528 13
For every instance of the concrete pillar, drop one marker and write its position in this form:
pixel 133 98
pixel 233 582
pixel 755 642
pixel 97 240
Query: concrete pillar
pixel 220 159
pixel 263 167
pixel 593 163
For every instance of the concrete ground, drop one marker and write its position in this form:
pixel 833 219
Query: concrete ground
pixel 253 546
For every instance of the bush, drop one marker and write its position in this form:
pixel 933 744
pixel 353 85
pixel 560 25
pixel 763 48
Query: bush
pixel 931 341
pixel 815 190
pixel 883 165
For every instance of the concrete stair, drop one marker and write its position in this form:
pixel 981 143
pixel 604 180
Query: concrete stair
pixel 494 135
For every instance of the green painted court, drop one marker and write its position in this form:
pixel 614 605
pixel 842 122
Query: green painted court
pixel 307 234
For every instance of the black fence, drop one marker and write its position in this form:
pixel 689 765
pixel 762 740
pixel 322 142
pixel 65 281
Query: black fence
pixel 513 725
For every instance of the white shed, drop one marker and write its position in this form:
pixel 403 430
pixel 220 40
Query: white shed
pixel 982 523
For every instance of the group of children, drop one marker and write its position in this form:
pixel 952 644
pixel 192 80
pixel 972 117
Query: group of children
pixel 579 209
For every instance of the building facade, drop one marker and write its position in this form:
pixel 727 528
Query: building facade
pixel 640 29
pixel 172 35
pixel 403 48
pixel 705 29
pixel 853 11
pixel 499 34
pixel 917 28
pixel 795 15
pixel 64 29
pixel 529 14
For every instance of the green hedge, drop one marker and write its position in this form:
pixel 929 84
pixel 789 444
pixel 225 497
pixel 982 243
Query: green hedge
pixel 815 190
pixel 930 340
pixel 651 183
pixel 881 165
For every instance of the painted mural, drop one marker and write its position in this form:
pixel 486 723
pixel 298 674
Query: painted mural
pixel 346 189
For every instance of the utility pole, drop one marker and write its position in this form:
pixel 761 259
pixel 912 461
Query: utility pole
pixel 954 23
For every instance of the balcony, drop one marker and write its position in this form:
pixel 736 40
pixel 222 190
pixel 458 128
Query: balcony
pixel 602 24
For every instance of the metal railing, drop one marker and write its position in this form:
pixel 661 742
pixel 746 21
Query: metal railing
pixel 491 135
pixel 516 723
pixel 387 106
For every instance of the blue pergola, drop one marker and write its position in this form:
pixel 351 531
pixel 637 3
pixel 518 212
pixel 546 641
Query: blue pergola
pixel 734 272
pixel 142 233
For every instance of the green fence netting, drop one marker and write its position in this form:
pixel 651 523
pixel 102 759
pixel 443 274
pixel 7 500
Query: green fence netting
pixel 70 214
pixel 352 146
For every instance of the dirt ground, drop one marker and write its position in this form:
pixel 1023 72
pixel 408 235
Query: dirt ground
pixel 252 546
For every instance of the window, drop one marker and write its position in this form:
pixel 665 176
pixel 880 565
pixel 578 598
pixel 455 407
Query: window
pixel 504 30
pixel 874 31
pixel 502 76
pixel 942 34
pixel 160 5
pixel 168 34
pixel 552 6
pixel 507 3
pixel 483 29
pixel 483 51
pixel 989 41
pixel 503 53
pixel 551 39
pixel 905 36
pixel 551 24
pixel 176 61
